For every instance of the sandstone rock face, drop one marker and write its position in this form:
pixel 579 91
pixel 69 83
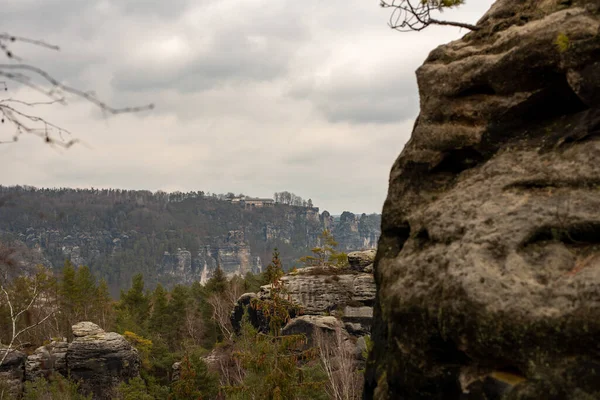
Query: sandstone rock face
pixel 46 360
pixel 488 267
pixel 101 360
pixel 319 292
pixel 357 232
pixel 307 324
pixel 362 260
pixel 12 372
pixel 328 298
pixel 86 328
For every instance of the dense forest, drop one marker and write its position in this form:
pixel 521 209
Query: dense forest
pixel 174 331
pixel 170 238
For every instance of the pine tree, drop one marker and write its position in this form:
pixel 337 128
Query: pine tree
pixel 218 282
pixel 277 367
pixel 134 307
pixel 274 270
pixel 159 323
pixel 69 297
pixel 326 254
pixel 85 284
pixel 177 312
pixel 104 306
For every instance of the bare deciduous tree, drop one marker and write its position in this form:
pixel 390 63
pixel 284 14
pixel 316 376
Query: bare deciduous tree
pixel 221 314
pixel 415 15
pixel 18 113
pixel 20 313
pixel 338 361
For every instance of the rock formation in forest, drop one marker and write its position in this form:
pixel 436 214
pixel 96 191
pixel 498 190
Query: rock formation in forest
pixel 98 360
pixel 328 298
pixel 488 267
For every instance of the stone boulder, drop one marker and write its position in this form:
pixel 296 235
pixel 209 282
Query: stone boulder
pixel 86 328
pixel 488 267
pixel 307 325
pixel 357 320
pixel 12 372
pixel 46 360
pixel 101 360
pixel 362 260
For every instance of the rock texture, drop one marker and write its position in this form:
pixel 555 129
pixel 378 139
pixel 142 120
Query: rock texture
pixel 362 260
pixel 307 324
pixel 330 300
pixel 320 290
pixel 47 360
pixel 488 268
pixel 12 372
pixel 100 359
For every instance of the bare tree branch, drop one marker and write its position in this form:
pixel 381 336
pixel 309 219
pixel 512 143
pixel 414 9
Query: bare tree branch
pixel 26 75
pixel 407 17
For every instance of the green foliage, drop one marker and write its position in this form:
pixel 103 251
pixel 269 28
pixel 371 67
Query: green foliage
pixel 251 283
pixel 563 43
pixel 147 225
pixel 326 254
pixel 218 282
pixel 274 270
pixel 135 389
pixel 195 380
pixel 134 307
pixel 277 367
pixel 439 4
pixel 143 345
pixel 55 387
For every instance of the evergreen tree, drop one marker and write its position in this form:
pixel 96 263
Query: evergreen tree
pixel 134 307
pixel 159 323
pixel 326 254
pixel 69 297
pixel 135 389
pixel 85 284
pixel 104 307
pixel 195 380
pixel 274 270
pixel 218 282
pixel 177 313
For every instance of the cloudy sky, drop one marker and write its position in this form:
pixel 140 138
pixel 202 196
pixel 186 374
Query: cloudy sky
pixel 317 97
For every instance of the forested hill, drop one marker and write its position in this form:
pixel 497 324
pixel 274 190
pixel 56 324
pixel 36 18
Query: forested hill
pixel 170 238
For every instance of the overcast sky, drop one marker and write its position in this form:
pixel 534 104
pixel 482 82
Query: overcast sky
pixel 317 97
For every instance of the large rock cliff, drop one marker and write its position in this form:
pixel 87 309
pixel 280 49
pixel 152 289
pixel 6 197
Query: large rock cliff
pixel 169 239
pixel 488 268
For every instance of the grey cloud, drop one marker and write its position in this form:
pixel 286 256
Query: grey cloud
pixel 347 98
pixel 309 96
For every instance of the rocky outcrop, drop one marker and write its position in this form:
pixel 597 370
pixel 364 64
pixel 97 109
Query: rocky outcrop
pixel 357 232
pixel 324 299
pixel 101 360
pixel 47 360
pixel 362 261
pixel 488 268
pixel 12 372
pixel 320 290
pixel 98 360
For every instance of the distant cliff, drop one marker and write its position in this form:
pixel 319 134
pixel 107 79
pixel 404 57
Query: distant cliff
pixel 170 238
